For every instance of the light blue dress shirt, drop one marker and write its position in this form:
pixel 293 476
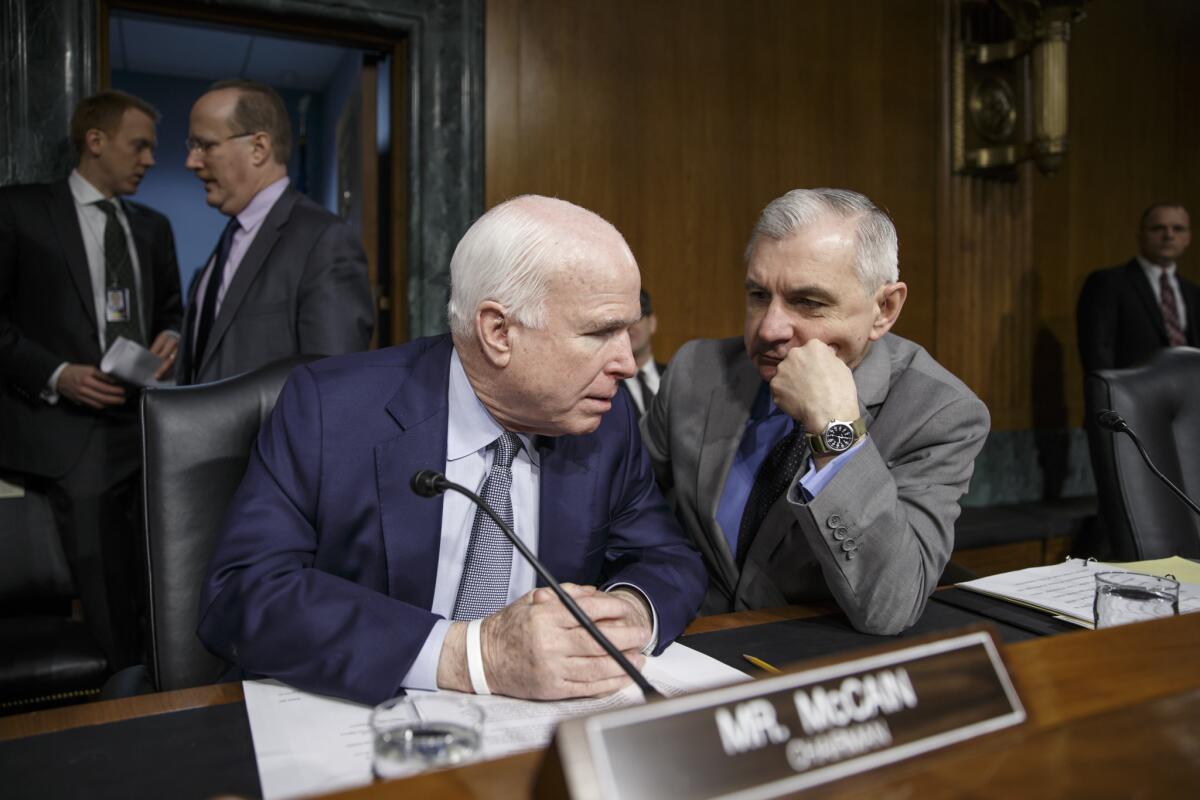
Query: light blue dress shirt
pixel 470 430
pixel 765 427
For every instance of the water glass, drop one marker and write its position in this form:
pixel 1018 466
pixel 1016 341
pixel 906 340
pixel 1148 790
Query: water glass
pixel 1124 597
pixel 424 731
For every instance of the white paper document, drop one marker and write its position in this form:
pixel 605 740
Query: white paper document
pixel 1067 589
pixel 306 744
pixel 130 362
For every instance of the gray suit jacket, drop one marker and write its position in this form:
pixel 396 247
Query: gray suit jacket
pixel 877 537
pixel 301 288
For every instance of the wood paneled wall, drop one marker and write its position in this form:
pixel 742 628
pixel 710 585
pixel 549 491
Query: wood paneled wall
pixel 678 120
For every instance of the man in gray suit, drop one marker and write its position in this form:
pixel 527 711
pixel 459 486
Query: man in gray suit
pixel 287 276
pixel 830 462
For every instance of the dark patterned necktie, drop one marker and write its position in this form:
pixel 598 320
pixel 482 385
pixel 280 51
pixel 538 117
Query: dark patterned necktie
pixel 772 480
pixel 208 306
pixel 483 589
pixel 1170 311
pixel 118 275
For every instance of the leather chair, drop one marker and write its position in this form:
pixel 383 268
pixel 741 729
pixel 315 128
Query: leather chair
pixel 1158 400
pixel 47 658
pixel 196 442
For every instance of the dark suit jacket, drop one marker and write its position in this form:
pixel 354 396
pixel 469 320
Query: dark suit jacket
pixel 301 288
pixel 48 316
pixel 324 574
pixel 1120 322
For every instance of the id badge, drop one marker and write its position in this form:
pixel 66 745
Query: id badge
pixel 116 307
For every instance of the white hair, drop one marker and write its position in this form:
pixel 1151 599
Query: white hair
pixel 510 254
pixel 876 251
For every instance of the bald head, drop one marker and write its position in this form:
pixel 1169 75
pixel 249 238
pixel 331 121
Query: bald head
pixel 517 250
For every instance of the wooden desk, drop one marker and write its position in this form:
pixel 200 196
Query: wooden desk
pixel 1111 713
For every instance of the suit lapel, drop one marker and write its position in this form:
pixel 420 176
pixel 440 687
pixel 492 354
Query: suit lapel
pixel 66 221
pixel 1141 287
pixel 1191 299
pixel 873 378
pixel 562 483
pixel 412 525
pixel 251 264
pixel 729 406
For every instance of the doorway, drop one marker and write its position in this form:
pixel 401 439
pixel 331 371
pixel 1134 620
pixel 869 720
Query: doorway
pixel 344 91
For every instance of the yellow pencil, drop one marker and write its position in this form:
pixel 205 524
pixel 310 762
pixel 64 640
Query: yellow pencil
pixel 758 662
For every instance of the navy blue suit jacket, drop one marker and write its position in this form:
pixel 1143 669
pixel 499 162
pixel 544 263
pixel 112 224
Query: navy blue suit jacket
pixel 324 574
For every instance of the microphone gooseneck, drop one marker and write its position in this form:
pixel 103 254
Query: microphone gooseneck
pixel 429 483
pixel 1112 421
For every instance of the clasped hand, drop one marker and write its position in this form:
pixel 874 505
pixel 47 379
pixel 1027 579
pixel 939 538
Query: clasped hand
pixel 535 649
pixel 813 386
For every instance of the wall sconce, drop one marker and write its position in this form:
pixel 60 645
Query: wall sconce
pixel 1010 97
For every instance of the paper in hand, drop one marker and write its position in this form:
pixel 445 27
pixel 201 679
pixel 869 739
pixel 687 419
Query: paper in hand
pixel 130 362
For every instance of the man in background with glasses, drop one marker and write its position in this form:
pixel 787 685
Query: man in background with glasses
pixel 79 268
pixel 287 276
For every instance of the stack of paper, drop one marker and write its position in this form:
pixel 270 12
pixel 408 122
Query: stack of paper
pixel 1068 590
pixel 306 744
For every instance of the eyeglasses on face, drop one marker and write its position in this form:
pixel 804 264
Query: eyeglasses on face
pixel 193 143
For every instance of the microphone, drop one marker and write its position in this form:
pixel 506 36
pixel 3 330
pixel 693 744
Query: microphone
pixel 429 483
pixel 1112 421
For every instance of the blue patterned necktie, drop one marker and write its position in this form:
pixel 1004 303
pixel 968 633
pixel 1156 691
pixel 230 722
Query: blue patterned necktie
pixel 483 589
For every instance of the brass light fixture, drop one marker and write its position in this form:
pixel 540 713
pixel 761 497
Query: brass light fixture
pixel 1010 96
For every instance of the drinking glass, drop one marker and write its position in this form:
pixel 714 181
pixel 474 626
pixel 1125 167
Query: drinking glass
pixel 424 731
pixel 1124 597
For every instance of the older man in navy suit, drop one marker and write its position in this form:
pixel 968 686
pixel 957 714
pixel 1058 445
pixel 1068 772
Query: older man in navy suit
pixel 333 576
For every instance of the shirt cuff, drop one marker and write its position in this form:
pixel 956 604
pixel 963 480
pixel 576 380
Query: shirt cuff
pixel 812 482
pixel 651 645
pixel 423 672
pixel 50 393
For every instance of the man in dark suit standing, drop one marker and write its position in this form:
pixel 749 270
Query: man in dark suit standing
pixel 1128 312
pixel 644 385
pixel 332 575
pixel 287 276
pixel 80 267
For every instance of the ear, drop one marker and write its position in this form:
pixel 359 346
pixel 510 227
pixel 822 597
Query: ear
pixel 653 324
pixel 888 302
pixel 94 141
pixel 494 334
pixel 262 150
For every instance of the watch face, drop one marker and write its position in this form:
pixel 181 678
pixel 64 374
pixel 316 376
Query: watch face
pixel 839 436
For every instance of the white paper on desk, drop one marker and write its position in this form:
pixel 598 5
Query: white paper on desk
pixel 1068 589
pixel 306 744
pixel 130 362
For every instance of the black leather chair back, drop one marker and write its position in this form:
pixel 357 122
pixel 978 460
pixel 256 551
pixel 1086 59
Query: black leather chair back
pixel 1161 402
pixel 196 441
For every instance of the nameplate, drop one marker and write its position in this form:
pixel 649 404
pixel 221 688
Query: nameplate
pixel 776 736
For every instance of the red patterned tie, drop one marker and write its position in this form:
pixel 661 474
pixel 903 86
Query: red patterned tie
pixel 1170 311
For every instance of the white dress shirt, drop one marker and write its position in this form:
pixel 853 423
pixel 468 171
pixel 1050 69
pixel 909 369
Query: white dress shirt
pixel 92 222
pixel 649 371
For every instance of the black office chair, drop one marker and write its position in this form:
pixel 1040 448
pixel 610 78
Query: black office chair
pixel 196 441
pixel 1159 402
pixel 47 658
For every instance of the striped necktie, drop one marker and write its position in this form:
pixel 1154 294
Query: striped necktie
pixel 1170 311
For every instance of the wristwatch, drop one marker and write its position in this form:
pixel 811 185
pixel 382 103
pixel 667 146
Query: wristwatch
pixel 838 436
